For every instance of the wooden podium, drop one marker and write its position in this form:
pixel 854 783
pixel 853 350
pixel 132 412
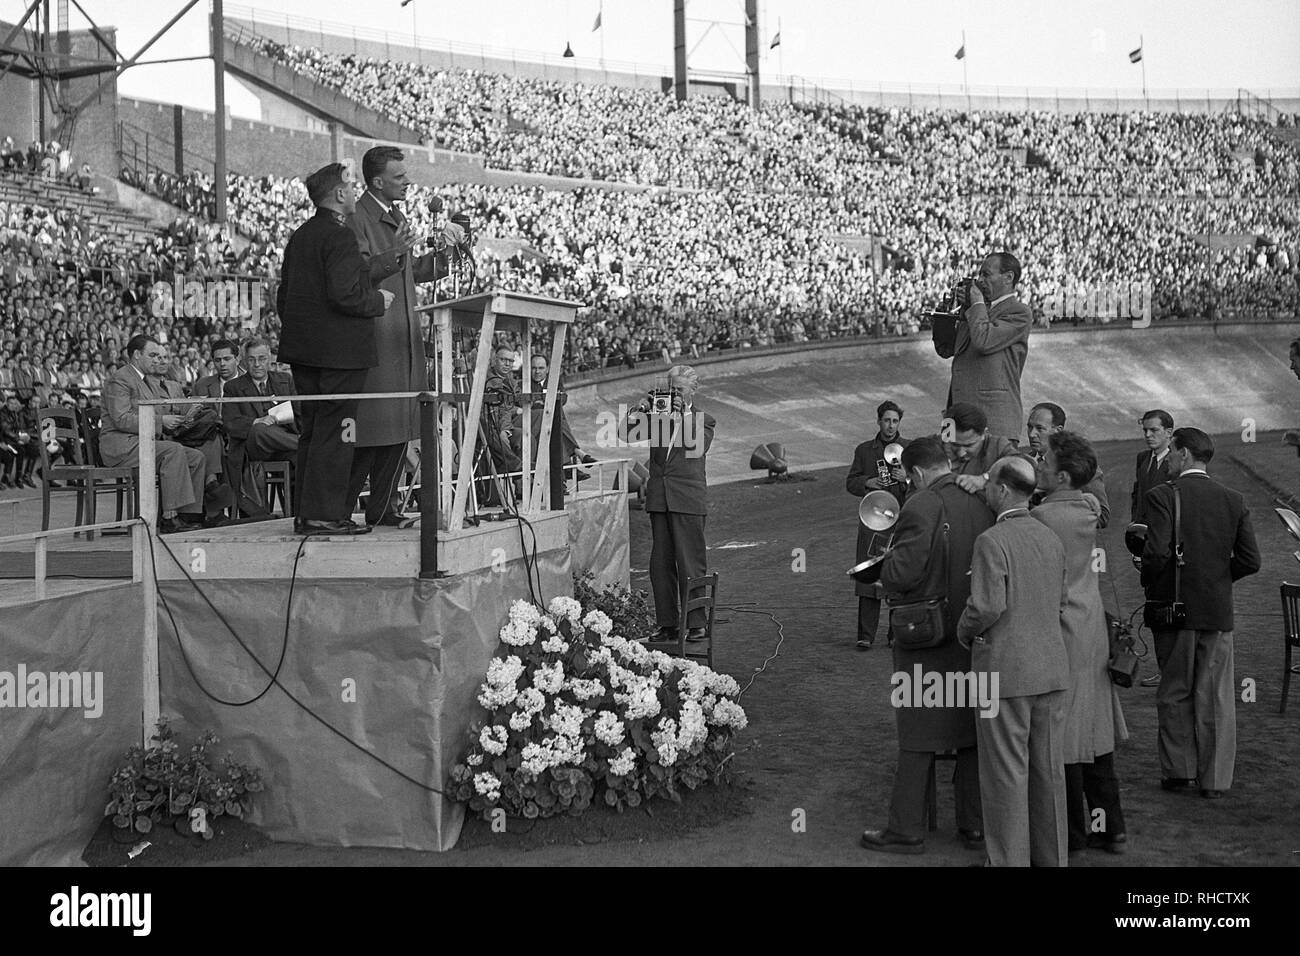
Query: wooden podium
pixel 486 314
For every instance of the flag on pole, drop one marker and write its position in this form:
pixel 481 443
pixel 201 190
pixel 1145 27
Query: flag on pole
pixel 1135 56
pixel 596 26
pixel 961 52
pixel 776 41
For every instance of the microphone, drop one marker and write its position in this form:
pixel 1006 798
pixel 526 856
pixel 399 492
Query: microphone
pixel 435 204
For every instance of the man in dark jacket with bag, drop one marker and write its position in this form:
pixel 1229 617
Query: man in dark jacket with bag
pixel 917 570
pixel 1196 703
pixel 327 312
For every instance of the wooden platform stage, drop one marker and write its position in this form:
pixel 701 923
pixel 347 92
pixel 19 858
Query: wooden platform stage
pixel 266 550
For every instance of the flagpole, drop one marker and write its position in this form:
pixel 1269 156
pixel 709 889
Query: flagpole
pixel 1143 47
pixel 780 50
pixel 600 15
pixel 965 76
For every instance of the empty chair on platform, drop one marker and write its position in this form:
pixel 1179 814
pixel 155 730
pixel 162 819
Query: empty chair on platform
pixel 86 479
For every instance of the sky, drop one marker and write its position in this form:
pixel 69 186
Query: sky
pixel 1190 45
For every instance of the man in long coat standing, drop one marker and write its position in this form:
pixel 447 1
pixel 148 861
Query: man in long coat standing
pixel 1093 719
pixel 385 236
pixel 914 570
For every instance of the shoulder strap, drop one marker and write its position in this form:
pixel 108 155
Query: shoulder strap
pixel 1178 543
pixel 942 530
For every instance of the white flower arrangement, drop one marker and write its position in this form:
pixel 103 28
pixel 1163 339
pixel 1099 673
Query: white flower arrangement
pixel 599 622
pixel 609 729
pixel 549 678
pixel 578 712
pixel 488 785
pixel 555 645
pixel 624 763
pixel 493 739
pixel 566 607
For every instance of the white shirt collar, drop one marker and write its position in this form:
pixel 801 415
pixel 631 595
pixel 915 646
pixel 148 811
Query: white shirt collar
pixel 1001 298
pixel 1193 470
pixel 386 207
pixel 1161 457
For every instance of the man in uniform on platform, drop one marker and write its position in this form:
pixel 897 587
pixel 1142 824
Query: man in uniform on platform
pixel 386 240
pixel 871 472
pixel 327 309
pixel 919 568
pixel 1196 704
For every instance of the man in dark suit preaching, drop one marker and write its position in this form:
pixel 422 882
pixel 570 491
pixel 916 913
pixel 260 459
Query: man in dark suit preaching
pixel 991 346
pixel 677 502
pixel 327 312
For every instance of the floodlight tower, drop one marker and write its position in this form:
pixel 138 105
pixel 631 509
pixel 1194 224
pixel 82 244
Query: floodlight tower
pixel 681 56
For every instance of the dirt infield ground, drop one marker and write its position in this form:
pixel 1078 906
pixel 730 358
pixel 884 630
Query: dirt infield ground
pixel 821 734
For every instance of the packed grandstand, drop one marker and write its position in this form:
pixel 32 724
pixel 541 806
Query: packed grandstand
pixel 753 227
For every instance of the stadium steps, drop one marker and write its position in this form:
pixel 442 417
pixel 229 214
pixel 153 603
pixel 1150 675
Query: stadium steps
pixel 102 213
pixel 246 62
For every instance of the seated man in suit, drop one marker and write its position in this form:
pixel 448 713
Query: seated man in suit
pixel 251 428
pixel 265 437
pixel 225 356
pixel 182 471
pixel 972 448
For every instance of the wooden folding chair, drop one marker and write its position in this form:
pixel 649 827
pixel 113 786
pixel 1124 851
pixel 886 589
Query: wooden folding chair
pixel 708 586
pixel 1290 636
pixel 87 479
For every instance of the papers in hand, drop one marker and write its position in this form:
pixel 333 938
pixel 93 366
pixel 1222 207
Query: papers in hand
pixel 282 413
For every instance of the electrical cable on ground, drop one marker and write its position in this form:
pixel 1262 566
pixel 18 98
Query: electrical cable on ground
pixel 274 677
pixel 748 608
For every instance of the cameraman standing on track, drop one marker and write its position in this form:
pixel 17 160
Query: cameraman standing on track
pixel 992 344
pixel 677 500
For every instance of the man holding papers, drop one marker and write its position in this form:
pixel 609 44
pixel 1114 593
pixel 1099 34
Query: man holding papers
pixel 265 426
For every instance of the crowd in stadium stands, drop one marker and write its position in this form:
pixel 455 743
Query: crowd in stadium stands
pixel 750 232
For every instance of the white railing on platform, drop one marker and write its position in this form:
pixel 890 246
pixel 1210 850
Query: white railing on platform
pixel 141 550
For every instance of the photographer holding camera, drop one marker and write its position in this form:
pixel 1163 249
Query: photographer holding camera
pixel 677 498
pixel 991 344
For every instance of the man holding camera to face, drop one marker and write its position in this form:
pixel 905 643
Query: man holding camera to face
pixel 676 497
pixel 992 342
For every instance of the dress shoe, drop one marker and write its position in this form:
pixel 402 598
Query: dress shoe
pixel 1212 794
pixel 333 527
pixel 388 521
pixel 886 841
pixel 172 526
pixel 863 645
pixel 697 634
pixel 218 496
pixel 1177 783
pixel 665 635
pixel 1152 681
pixel 1117 844
pixel 972 839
